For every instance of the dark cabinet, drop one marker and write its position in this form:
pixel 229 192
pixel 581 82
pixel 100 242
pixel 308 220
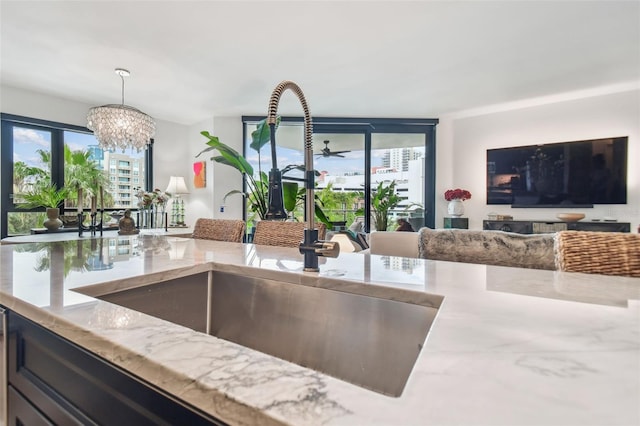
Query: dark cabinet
pixel 599 226
pixel 53 381
pixel 540 227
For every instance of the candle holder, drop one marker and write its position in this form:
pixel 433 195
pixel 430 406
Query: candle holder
pixel 94 225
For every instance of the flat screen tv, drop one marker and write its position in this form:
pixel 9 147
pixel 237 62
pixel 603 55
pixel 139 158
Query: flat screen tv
pixel 568 174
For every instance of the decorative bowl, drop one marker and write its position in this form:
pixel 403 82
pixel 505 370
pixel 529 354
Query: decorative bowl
pixel 570 217
pixel 69 220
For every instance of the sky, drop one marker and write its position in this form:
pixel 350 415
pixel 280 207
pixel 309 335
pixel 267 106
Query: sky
pixel 27 141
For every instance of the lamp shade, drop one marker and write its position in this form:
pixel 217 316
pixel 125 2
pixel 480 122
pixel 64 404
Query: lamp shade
pixel 177 186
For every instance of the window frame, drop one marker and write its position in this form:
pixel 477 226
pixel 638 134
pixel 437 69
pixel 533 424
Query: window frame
pixel 369 126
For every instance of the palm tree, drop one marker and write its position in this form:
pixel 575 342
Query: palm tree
pixel 45 157
pixel 98 181
pixel 75 175
pixel 83 176
pixel 21 174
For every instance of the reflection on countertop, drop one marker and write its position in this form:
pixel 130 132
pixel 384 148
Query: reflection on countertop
pixel 585 288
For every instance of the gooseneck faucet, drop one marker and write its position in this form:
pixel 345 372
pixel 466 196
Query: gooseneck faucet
pixel 310 247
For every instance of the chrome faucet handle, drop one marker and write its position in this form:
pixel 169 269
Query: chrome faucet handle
pixel 327 248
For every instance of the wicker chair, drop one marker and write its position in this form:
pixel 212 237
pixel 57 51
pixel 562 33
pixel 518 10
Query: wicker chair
pixel 607 253
pixel 283 234
pixel 219 230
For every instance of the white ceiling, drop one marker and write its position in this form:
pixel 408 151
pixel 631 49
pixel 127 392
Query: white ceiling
pixel 194 60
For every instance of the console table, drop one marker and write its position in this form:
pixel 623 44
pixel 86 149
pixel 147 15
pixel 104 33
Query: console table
pixel 541 227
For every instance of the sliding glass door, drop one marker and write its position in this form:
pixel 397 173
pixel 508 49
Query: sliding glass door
pixel 341 161
pixel 358 161
pixel 398 162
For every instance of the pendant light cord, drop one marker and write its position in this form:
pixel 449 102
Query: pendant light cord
pixel 122 78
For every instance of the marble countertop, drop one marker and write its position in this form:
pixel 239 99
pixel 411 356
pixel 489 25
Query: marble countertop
pixel 508 346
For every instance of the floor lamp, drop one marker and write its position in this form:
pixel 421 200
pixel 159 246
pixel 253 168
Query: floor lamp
pixel 176 188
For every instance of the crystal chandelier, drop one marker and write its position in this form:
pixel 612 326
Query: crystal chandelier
pixel 121 126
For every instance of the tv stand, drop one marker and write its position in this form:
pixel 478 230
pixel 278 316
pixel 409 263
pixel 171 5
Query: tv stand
pixel 543 227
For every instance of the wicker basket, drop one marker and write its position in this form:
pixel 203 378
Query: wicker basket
pixel 608 253
pixel 283 234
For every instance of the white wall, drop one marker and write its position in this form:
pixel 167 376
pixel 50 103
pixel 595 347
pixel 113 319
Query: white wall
pixel 170 156
pixel 199 201
pixel 463 141
pixel 36 105
pixel 207 202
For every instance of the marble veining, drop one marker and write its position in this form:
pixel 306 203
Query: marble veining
pixel 508 346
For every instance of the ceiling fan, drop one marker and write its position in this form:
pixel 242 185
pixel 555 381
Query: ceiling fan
pixel 326 152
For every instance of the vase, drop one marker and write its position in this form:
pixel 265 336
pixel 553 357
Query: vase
pixel 145 218
pixel 53 223
pixel 455 208
pixel 160 216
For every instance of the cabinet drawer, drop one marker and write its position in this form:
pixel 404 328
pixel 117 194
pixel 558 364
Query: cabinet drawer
pixel 70 385
pixel 545 227
pixel 21 412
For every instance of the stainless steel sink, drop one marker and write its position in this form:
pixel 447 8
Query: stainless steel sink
pixel 364 340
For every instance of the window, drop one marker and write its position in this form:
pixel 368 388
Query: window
pixel 33 150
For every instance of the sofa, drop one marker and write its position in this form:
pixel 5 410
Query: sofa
pixel 608 253
pixel 500 248
pixel 462 245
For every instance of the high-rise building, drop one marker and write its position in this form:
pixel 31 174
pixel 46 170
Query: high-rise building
pixel 398 158
pixel 126 175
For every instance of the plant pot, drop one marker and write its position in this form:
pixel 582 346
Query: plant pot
pixel 53 223
pixel 455 208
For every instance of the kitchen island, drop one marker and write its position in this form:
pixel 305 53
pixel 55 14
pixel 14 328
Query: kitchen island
pixel 508 345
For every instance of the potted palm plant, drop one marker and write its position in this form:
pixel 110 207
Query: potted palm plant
pixel 257 183
pixel 48 196
pixel 383 200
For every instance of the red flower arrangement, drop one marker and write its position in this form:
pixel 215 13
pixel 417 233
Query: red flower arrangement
pixel 457 194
